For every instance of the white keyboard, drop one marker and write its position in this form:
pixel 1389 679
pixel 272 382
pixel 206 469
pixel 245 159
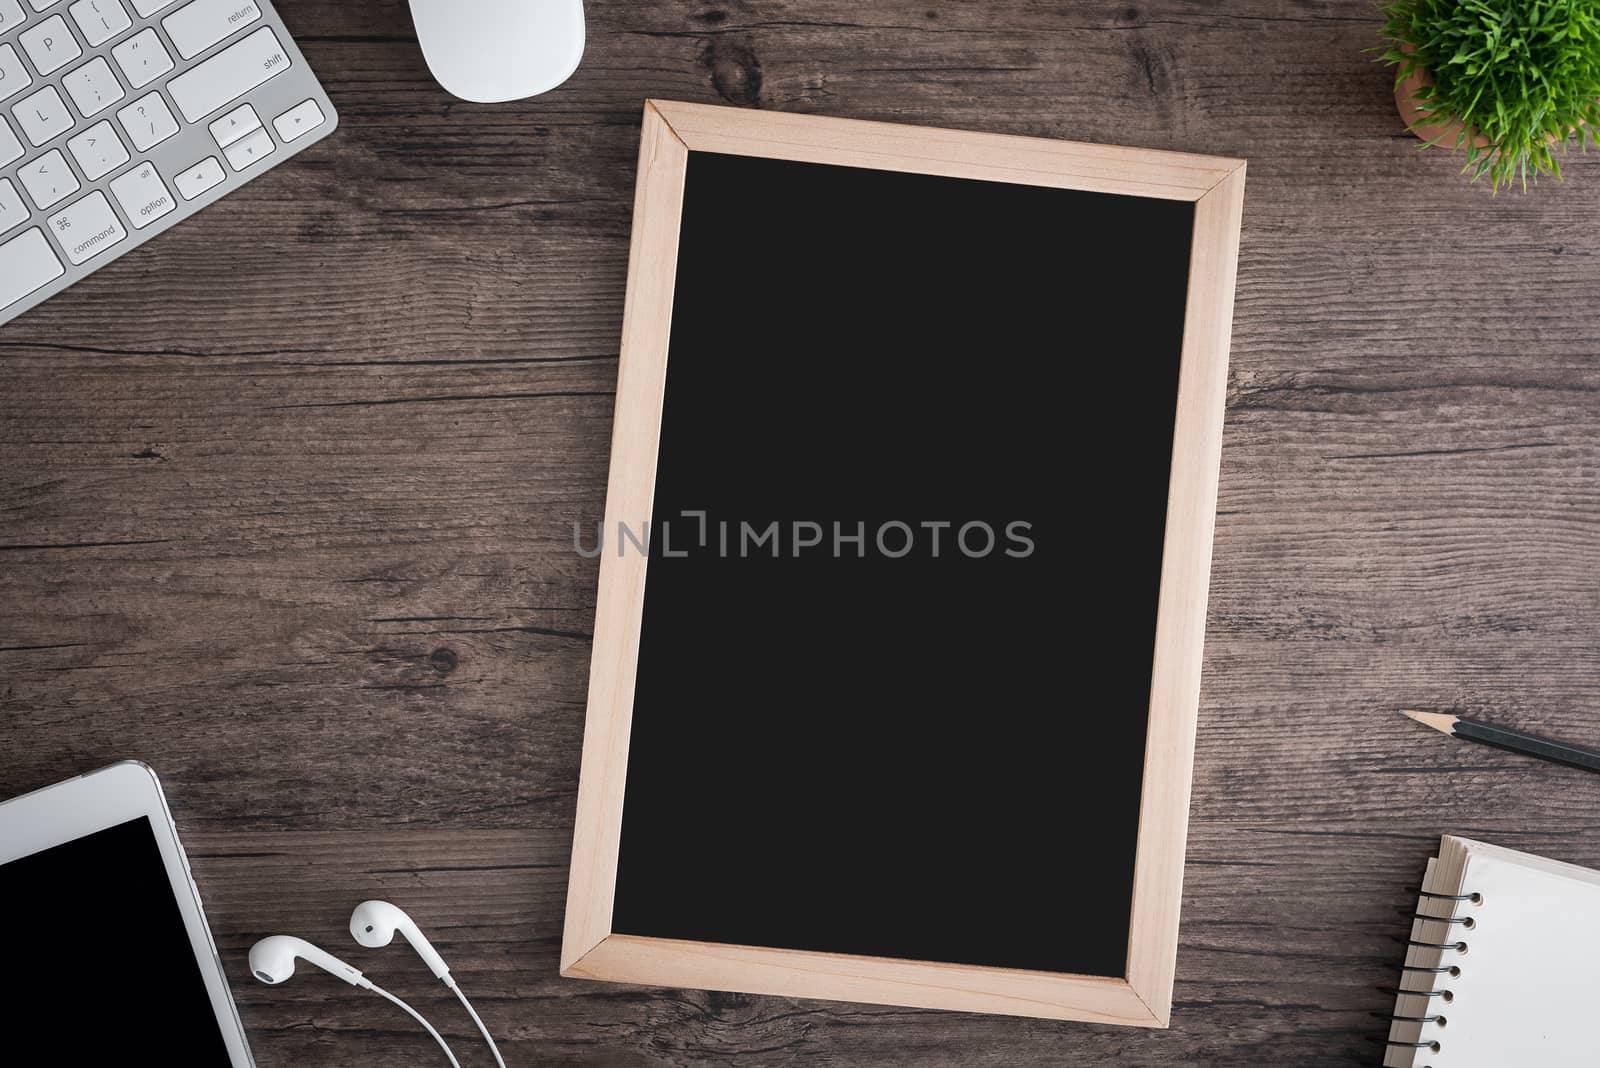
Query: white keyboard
pixel 120 118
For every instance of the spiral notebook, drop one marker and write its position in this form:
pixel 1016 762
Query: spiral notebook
pixel 1500 966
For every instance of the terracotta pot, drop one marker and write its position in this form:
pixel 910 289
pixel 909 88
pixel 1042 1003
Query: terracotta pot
pixel 1443 133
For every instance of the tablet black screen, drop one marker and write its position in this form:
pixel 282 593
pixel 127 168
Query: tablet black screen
pixel 103 970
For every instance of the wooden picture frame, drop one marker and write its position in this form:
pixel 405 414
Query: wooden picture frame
pixel 671 130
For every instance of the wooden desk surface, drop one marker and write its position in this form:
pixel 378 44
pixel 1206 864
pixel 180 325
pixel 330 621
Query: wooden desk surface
pixel 288 496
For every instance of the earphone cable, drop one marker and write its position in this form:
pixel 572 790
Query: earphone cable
pixel 487 1037
pixel 376 989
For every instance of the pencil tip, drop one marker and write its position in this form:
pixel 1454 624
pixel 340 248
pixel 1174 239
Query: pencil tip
pixel 1439 721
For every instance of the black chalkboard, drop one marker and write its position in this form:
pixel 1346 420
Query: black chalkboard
pixel 934 755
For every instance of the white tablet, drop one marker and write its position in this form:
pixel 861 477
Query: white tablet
pixel 116 965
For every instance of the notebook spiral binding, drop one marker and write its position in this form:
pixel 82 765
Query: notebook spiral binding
pixel 1445 994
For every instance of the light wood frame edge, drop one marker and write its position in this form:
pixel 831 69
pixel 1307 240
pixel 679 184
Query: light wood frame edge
pixel 670 131
pixel 872 980
pixel 953 153
pixel 1185 587
pixel 630 490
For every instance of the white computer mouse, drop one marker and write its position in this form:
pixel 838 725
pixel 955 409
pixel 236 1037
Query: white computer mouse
pixel 493 50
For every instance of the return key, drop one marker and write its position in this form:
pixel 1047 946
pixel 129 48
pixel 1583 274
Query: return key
pixel 195 28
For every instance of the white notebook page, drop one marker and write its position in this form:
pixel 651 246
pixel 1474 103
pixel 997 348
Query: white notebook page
pixel 1529 988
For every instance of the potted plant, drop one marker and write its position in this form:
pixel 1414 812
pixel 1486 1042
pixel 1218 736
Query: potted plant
pixel 1508 81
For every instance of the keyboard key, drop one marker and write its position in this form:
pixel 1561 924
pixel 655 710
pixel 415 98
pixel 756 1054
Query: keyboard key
pixel 10 147
pixel 26 263
pixel 142 58
pixel 14 77
pixel 50 45
pixel 300 119
pixel 143 195
pixel 87 228
pixel 146 8
pixel 100 20
pixel 248 150
pixel 148 121
pixel 197 179
pixel 98 150
pixel 48 179
pixel 40 5
pixel 229 74
pixel 11 15
pixel 198 26
pixel 13 212
pixel 43 115
pixel 234 125
pixel 93 87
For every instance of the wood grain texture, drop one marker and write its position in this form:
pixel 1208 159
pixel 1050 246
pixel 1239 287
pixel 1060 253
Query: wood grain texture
pixel 288 496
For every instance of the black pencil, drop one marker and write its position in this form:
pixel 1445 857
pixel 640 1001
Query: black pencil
pixel 1486 734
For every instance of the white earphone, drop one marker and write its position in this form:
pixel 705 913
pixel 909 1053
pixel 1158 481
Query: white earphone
pixel 272 961
pixel 374 924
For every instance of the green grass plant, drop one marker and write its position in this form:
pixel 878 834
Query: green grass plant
pixel 1523 73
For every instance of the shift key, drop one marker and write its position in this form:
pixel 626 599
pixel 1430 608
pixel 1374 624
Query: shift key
pixel 229 74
